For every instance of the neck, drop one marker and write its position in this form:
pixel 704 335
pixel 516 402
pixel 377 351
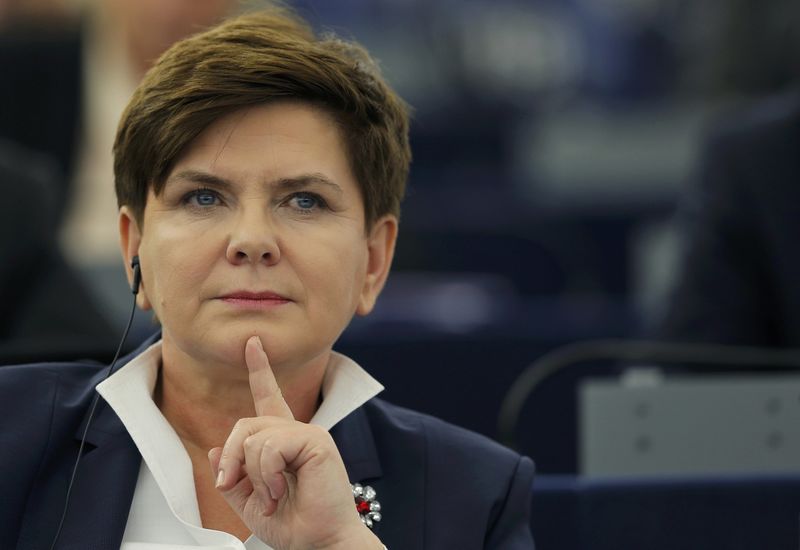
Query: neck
pixel 203 400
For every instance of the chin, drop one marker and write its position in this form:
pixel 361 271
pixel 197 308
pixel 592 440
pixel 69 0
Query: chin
pixel 281 349
pixel 226 344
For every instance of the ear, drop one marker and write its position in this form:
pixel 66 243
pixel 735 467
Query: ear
pixel 130 239
pixel 380 249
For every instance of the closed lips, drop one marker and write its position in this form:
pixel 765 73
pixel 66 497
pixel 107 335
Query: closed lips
pixel 254 296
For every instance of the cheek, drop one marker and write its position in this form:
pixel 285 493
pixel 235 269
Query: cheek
pixel 178 282
pixel 334 273
pixel 180 262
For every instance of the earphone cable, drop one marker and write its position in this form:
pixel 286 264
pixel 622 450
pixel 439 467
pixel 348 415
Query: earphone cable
pixel 88 423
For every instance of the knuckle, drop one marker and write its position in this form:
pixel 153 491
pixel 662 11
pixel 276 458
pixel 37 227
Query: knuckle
pixel 269 447
pixel 241 425
pixel 251 444
pixel 325 455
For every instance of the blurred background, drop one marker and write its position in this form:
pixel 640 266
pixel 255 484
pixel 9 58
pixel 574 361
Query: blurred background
pixel 554 142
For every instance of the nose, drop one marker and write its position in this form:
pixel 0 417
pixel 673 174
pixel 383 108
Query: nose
pixel 253 239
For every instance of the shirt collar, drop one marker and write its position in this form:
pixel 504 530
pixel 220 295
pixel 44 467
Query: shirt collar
pixel 345 387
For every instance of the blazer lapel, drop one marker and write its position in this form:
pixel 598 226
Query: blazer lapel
pixel 103 491
pixel 353 437
pixel 401 493
pixel 101 495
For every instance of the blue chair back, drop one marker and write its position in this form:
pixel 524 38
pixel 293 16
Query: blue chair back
pixel 730 512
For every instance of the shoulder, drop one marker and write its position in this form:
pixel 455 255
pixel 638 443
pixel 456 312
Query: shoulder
pixel 33 391
pixel 71 374
pixel 759 126
pixel 449 455
pixel 455 477
pixel 442 440
pixel 748 159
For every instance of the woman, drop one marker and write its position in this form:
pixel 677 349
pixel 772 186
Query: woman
pixel 259 172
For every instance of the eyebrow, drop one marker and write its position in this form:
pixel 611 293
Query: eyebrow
pixel 283 184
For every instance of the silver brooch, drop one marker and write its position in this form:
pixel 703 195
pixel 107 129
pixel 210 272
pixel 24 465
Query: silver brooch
pixel 369 509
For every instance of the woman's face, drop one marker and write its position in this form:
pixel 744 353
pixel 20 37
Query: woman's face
pixel 260 230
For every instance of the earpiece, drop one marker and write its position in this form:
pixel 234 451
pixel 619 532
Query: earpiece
pixel 137 278
pixel 137 274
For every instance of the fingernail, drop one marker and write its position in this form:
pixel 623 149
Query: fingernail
pixel 220 478
pixel 260 345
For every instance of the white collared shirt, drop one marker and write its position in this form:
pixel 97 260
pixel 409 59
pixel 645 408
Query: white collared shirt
pixel 164 513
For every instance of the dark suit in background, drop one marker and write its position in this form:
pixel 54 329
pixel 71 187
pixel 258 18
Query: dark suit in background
pixel 739 276
pixel 43 303
pixel 40 95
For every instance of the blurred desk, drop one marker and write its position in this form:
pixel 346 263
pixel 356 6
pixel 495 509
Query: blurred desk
pixel 690 425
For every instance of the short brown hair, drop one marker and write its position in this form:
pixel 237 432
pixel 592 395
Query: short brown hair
pixel 253 59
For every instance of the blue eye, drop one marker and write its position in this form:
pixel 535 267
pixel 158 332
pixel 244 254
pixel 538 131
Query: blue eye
pixel 206 199
pixel 202 198
pixel 306 201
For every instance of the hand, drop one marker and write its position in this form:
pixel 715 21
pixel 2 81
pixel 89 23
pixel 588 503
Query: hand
pixel 285 479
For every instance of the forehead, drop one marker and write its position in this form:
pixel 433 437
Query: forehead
pixel 272 141
pixel 291 124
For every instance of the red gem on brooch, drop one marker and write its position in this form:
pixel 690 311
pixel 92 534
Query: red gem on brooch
pixel 369 509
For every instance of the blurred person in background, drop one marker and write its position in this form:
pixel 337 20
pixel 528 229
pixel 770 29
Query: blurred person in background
pixel 754 49
pixel 738 276
pixel 15 11
pixel 65 83
pixel 44 304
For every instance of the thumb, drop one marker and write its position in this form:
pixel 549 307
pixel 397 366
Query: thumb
pixel 214 456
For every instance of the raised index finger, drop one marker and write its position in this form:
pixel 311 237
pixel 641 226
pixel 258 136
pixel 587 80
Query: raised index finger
pixel 267 395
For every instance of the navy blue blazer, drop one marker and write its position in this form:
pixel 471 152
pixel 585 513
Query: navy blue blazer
pixel 439 486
